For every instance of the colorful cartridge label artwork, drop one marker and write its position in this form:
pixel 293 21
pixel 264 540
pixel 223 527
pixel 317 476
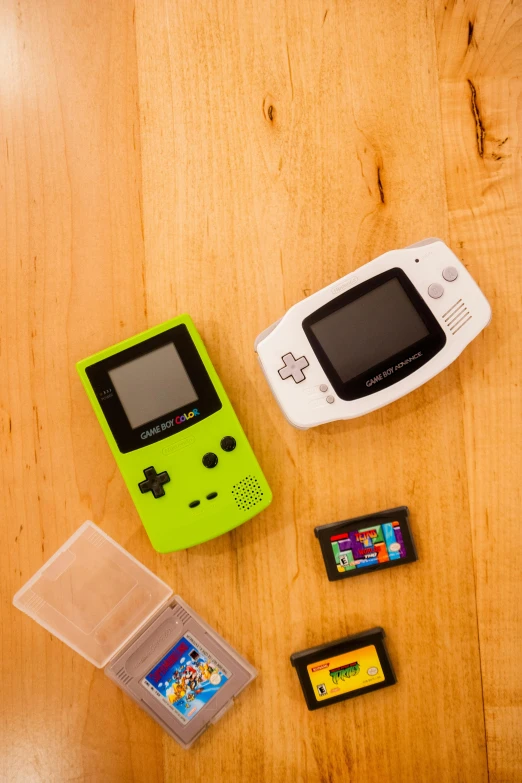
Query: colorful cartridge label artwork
pixel 345 673
pixel 186 678
pixel 368 546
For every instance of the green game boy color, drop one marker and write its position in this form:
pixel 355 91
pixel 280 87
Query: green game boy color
pixel 186 461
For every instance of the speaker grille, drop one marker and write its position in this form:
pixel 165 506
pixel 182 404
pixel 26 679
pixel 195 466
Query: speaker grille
pixel 457 316
pixel 247 493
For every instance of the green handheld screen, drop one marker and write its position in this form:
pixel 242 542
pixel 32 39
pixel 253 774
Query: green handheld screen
pixel 186 461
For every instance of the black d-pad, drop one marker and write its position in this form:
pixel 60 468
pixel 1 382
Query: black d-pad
pixel 154 482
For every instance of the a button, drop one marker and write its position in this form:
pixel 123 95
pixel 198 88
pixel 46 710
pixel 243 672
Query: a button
pixel 210 460
pixel 212 495
pixel 293 367
pixel 194 504
pixel 228 443
pixel 435 290
pixel 330 399
pixel 450 274
pixel 323 387
pixel 154 482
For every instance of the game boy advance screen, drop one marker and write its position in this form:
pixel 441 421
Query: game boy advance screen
pixel 370 329
pixel 153 385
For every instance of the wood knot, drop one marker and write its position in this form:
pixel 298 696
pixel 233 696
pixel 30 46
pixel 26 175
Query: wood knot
pixel 379 185
pixel 269 110
pixel 480 131
pixel 470 32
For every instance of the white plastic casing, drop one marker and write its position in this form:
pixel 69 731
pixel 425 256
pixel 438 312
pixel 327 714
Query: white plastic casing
pixel 462 311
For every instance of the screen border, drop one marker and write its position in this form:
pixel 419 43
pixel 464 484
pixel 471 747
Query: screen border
pixel 129 439
pixel 427 346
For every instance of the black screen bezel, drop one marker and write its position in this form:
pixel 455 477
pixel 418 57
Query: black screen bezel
pixel 428 346
pixel 129 439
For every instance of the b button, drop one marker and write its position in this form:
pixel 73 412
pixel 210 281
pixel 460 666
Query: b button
pixel 210 460
pixel 435 290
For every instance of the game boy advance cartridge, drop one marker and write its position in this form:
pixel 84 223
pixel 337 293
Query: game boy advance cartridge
pixel 94 596
pixel 367 544
pixel 343 669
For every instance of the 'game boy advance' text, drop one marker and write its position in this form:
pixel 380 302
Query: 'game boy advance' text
pixel 385 373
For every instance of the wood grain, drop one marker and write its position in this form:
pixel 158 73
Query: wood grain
pixel 480 64
pixel 71 275
pixel 227 159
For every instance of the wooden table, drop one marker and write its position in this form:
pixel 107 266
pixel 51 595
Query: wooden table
pixel 227 159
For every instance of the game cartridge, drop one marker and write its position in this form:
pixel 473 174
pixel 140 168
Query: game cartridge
pixel 343 669
pixel 367 544
pixel 94 596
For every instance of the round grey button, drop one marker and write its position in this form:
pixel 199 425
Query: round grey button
pixel 435 290
pixel 450 274
pixel 323 387
pixel 330 399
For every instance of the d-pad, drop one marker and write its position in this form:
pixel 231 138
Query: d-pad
pixel 154 482
pixel 293 367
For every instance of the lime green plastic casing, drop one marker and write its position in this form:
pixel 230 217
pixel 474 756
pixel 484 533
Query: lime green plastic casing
pixel 242 490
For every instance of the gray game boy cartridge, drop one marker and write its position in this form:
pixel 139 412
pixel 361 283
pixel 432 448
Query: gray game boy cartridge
pixel 94 596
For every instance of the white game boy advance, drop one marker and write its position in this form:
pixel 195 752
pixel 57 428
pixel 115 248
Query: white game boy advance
pixel 372 336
